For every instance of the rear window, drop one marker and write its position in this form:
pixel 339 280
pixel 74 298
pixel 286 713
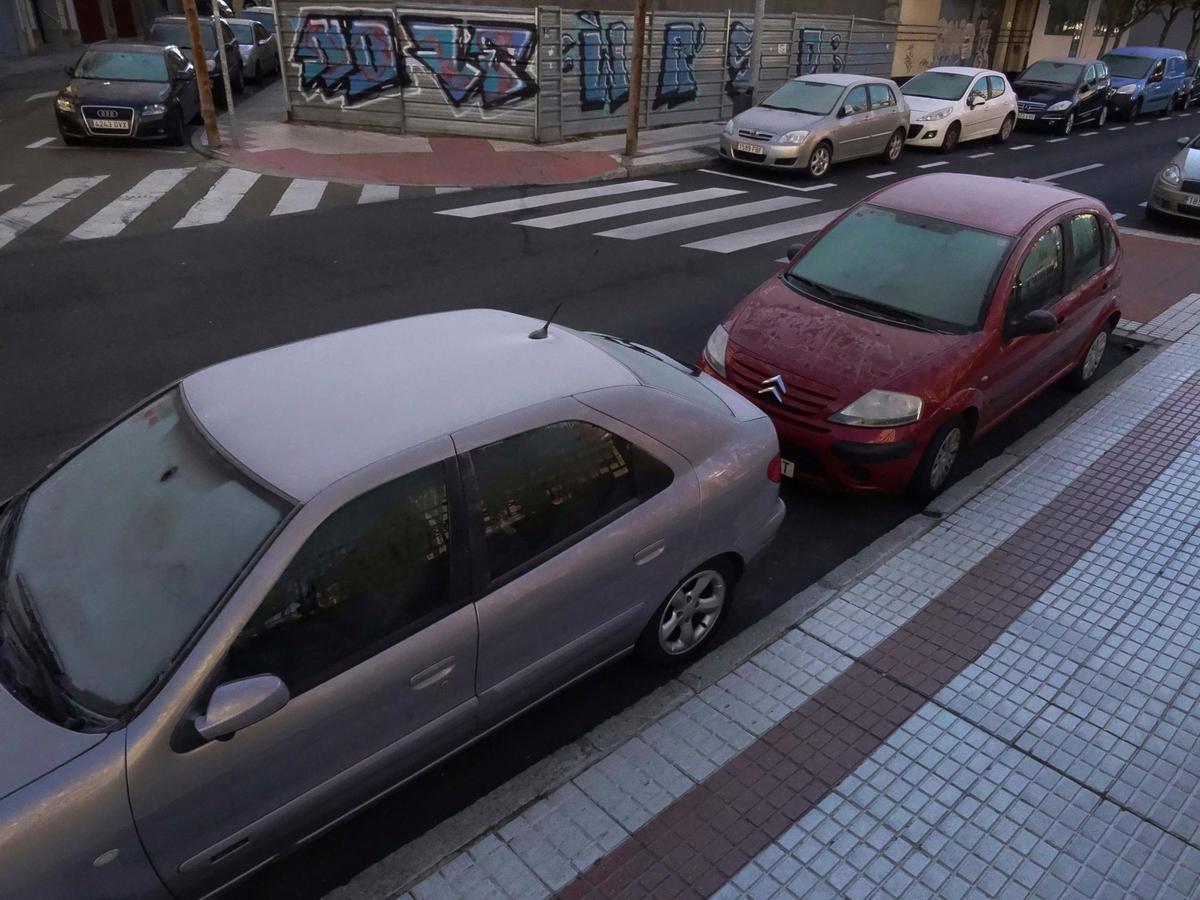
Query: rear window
pixel 243 33
pixel 657 371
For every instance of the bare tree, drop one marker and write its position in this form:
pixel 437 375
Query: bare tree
pixel 1118 16
pixel 1169 12
pixel 1193 45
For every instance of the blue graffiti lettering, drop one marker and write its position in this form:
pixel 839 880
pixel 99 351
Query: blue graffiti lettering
pixel 738 48
pixel 603 62
pixel 352 56
pixel 677 77
pixel 485 60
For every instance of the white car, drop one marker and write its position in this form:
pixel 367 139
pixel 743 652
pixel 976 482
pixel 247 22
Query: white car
pixel 952 103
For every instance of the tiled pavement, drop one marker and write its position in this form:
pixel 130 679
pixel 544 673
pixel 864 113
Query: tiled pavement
pixel 1008 707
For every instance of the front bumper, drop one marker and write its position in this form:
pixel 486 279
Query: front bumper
pixel 1042 118
pixel 774 156
pixel 1122 103
pixel 72 125
pixel 928 134
pixel 1173 202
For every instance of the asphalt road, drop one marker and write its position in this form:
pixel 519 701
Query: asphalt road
pixel 91 326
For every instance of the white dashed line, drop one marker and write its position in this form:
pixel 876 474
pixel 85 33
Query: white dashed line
pixel 1141 123
pixel 42 143
pixel 1117 128
pixel 804 190
pixel 1088 133
pixel 1021 147
pixel 40 96
pixel 881 174
pixel 933 165
pixel 1057 175
pixel 1118 216
pixel 980 155
pixel 1057 140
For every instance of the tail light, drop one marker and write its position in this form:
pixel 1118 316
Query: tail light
pixel 775 469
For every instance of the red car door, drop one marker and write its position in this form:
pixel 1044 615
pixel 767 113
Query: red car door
pixel 1087 280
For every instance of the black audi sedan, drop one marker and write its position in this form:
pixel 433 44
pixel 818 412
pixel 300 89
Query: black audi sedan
pixel 128 89
pixel 1063 93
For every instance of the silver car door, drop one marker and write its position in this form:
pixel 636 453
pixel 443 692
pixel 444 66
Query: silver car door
pixel 887 115
pixel 361 607
pixel 855 126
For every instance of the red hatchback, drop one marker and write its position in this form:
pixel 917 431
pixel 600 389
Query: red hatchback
pixel 920 319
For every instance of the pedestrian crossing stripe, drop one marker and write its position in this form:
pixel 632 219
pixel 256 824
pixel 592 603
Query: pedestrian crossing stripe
pixel 222 197
pixel 765 234
pixel 38 207
pixel 113 218
pixel 613 210
pixel 707 217
pixel 302 195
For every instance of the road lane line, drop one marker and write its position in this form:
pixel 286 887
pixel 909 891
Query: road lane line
pixel 789 187
pixel 612 210
pixel 222 197
pixel 707 217
pixel 1021 147
pixel 538 200
pixel 376 193
pixel 881 174
pixel 302 195
pixel 33 210
pixel 112 219
pixel 1142 205
pixel 1117 128
pixel 5 187
pixel 1055 176
pixel 1057 140
pixel 933 165
pixel 42 143
pixel 980 155
pixel 764 234
pixel 42 95
pixel 1143 122
pixel 1088 133
pixel 1118 216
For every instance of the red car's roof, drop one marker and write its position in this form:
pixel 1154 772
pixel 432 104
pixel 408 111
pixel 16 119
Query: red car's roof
pixel 1000 205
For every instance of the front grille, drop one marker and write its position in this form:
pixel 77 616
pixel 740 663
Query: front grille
pixel 806 404
pixel 755 135
pixel 108 119
pixel 1030 106
pixel 749 157
pixel 1190 187
pixel 1192 212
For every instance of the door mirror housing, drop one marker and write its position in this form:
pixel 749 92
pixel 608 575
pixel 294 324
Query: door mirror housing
pixel 794 250
pixel 70 70
pixel 975 100
pixel 846 110
pixel 1037 321
pixel 1184 142
pixel 239 704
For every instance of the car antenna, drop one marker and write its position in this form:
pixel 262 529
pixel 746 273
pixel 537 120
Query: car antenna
pixel 544 331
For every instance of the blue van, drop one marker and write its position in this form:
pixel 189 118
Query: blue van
pixel 1145 79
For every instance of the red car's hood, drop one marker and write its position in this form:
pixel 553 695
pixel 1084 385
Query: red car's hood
pixel 844 352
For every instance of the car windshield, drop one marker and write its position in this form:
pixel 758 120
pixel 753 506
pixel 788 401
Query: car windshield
pixel 1122 66
pixel 117 66
pixel 121 554
pixel 243 33
pixel 177 33
pixel 890 264
pixel 937 85
pixel 815 97
pixel 1052 73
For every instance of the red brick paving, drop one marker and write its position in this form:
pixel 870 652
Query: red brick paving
pixel 1156 273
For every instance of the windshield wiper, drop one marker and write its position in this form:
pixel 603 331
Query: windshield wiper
pixel 653 354
pixel 847 299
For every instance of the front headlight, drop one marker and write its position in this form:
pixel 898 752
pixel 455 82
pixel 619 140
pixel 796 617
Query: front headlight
pixel 714 350
pixel 1171 174
pixel 63 104
pixel 730 128
pixel 1128 89
pixel 211 65
pixel 792 138
pixel 1059 106
pixel 153 110
pixel 880 409
pixel 936 114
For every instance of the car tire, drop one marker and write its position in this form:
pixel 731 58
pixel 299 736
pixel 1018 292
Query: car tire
pixel 950 138
pixel 939 459
pixel 175 131
pixel 1006 129
pixel 819 161
pixel 664 641
pixel 1134 111
pixel 895 146
pixel 1102 116
pixel 1068 124
pixel 255 74
pixel 1089 366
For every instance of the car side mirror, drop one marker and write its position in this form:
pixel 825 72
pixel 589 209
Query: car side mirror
pixel 794 250
pixel 1184 142
pixel 70 70
pixel 239 704
pixel 1038 321
pixel 846 110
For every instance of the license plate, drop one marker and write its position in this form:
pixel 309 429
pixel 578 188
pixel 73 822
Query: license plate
pixel 1026 116
pixel 787 468
pixel 109 124
pixel 1192 200
pixel 752 148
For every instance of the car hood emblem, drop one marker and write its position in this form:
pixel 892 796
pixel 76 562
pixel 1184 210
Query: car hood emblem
pixel 775 387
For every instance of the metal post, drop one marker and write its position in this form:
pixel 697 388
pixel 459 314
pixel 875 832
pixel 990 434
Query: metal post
pixel 226 76
pixel 203 82
pixel 760 12
pixel 635 75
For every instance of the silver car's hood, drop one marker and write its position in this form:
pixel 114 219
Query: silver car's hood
pixel 30 746
pixel 1188 161
pixel 775 121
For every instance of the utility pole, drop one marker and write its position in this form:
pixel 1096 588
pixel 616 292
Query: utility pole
pixel 226 75
pixel 635 86
pixel 760 12
pixel 203 82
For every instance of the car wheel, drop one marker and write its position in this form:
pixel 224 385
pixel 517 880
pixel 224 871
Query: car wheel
pixel 255 74
pixel 938 461
pixel 1085 373
pixel 895 144
pixel 687 618
pixel 175 133
pixel 819 160
pixel 950 138
pixel 1134 111
pixel 1102 117
pixel 1006 128
pixel 1068 124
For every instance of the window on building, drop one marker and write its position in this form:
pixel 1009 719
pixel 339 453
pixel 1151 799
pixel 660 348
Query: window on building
pixel 1066 16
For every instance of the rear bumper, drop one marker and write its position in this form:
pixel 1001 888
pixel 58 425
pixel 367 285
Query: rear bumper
pixel 770 528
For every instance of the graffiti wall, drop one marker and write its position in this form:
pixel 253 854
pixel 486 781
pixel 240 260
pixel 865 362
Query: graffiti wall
pixel 967 33
pixel 546 73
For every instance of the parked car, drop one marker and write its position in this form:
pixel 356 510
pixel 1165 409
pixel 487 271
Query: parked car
pixel 1144 79
pixel 1189 91
pixel 260 54
pixel 1063 93
pixel 263 15
pixel 920 319
pixel 128 89
pixel 817 120
pixel 352 555
pixel 1176 190
pixel 951 104
pixel 204 8
pixel 173 30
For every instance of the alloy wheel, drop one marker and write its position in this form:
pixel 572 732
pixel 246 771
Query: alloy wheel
pixel 692 612
pixel 818 165
pixel 1068 124
pixel 894 147
pixel 950 141
pixel 1103 117
pixel 944 459
pixel 1095 353
pixel 1006 128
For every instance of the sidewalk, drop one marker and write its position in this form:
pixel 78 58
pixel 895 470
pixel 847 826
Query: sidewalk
pixel 1001 699
pixel 272 145
pixel 45 60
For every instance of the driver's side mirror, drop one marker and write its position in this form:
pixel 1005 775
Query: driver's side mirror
pixel 1184 142
pixel 846 110
pixel 975 100
pixel 1038 321
pixel 794 250
pixel 239 704
pixel 70 70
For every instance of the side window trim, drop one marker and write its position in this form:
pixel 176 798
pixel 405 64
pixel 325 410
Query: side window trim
pixel 1063 249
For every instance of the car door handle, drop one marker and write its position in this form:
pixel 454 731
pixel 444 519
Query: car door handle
pixel 439 671
pixel 654 551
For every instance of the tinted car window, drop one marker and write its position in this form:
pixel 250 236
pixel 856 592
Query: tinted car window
pixel 857 99
pixel 1049 72
pixel 547 486
pixel 243 33
pixel 177 33
pixel 1087 248
pixel 372 573
pixel 1040 278
pixel 115 66
pixel 996 86
pixel 938 85
pixel 815 97
pixel 260 33
pixel 1123 66
pixel 1110 242
pixel 881 96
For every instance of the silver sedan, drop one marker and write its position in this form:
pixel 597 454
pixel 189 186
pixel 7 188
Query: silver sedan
pixel 1176 190
pixel 290 582
pixel 257 45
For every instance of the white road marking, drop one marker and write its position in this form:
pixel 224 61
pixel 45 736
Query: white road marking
pixel 40 143
pixel 1021 147
pixel 881 174
pixel 5 187
pixel 782 259
pixel 933 165
pixel 538 200
pixel 790 187
pixel 40 96
pixel 1088 133
pixel 707 217
pixel 1143 122
pixel 612 210
pixel 222 197
pixel 980 155
pixel 655 149
pixel 764 234
pixel 438 191
pixel 1117 128
pixel 1057 140
pixel 112 219
pixel 302 195
pixel 1118 216
pixel 375 193
pixel 33 210
pixel 1142 205
pixel 1057 175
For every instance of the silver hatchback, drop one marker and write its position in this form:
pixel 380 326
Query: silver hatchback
pixel 817 120
pixel 292 581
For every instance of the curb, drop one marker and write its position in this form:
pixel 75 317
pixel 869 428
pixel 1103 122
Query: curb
pixel 391 876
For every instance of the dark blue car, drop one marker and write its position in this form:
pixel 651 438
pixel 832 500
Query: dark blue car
pixel 1063 93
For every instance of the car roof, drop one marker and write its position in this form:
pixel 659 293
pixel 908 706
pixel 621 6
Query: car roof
pixel 1152 52
pixel 127 46
pixel 303 415
pixel 842 78
pixel 962 70
pixel 1000 205
pixel 1065 61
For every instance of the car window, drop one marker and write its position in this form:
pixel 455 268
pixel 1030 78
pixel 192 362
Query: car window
pixel 996 86
pixel 1101 71
pixel 260 33
pixel 1090 75
pixel 1051 72
pixel 1041 275
pixel 1110 242
pixel 372 573
pixel 1159 66
pixel 543 488
pixel 857 99
pixel 243 33
pixel 979 89
pixel 1087 248
pixel 881 96
pixel 108 65
pixel 227 33
pixel 1124 66
pixel 805 96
